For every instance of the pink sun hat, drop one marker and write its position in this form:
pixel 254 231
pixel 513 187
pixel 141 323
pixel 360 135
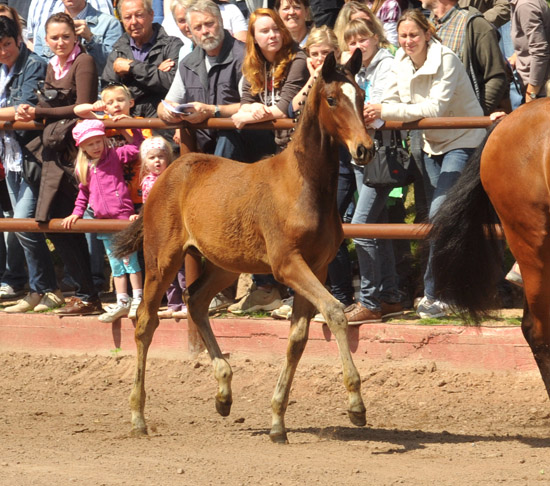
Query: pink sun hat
pixel 87 129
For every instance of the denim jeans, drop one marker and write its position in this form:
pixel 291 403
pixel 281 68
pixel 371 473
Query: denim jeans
pixel 72 249
pixel 36 252
pixel 339 270
pixel 440 174
pixel 97 254
pixel 379 281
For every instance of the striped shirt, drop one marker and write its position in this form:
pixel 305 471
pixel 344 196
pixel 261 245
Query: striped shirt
pixel 451 28
pixel 42 10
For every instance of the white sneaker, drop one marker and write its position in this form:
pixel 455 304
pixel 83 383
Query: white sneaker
pixel 7 292
pixel 285 311
pixel 432 309
pixel 115 312
pixel 132 314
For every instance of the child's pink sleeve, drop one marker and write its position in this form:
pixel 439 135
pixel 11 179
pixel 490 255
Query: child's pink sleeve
pixel 82 199
pixel 130 151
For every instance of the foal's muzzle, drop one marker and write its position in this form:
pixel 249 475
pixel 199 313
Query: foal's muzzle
pixel 363 155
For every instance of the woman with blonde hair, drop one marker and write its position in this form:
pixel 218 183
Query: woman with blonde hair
pixel 357 10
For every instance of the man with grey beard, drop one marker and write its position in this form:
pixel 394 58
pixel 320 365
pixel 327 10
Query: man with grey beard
pixel 209 79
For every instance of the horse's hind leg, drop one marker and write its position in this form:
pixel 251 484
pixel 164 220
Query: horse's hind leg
pixel 212 280
pixel 302 312
pixel 535 324
pixel 296 274
pixel 157 280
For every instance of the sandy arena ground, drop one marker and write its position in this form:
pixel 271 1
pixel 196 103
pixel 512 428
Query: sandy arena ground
pixel 65 420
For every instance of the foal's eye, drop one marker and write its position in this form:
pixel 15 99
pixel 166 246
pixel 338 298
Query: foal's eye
pixel 331 101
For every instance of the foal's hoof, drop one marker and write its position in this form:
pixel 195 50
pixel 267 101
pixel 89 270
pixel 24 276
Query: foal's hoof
pixel 278 437
pixel 138 432
pixel 223 408
pixel 358 418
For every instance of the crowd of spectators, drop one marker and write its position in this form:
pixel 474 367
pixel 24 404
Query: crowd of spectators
pixel 251 61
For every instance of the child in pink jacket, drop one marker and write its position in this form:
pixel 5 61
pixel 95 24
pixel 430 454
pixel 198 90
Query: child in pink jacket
pixel 99 169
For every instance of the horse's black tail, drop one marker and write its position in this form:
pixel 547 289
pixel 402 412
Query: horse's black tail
pixel 129 239
pixel 467 255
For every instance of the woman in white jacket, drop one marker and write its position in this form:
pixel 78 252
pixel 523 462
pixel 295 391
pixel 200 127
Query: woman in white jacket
pixel 430 81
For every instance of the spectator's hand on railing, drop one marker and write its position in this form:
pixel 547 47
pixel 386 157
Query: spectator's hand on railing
pixel 68 222
pixel 166 65
pixel 241 118
pixel 199 112
pixel 497 115
pixel 25 113
pixel 86 110
pixel 372 111
pixel 168 116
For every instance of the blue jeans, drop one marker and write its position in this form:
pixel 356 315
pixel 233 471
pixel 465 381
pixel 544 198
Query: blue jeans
pixel 339 270
pixel 379 281
pixel 97 254
pixel 440 174
pixel 32 246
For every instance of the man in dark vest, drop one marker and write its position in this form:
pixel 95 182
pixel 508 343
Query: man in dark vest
pixel 209 79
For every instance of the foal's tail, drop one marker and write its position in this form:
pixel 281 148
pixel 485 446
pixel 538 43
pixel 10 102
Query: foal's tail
pixel 129 239
pixel 467 256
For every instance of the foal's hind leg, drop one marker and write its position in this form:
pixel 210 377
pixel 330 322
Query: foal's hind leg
pixel 302 312
pixel 296 274
pixel 157 280
pixel 212 280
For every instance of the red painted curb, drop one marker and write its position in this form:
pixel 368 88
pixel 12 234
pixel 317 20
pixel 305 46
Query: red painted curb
pixel 484 348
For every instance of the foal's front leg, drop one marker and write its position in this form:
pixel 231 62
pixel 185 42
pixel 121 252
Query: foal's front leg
pixel 302 312
pixel 296 274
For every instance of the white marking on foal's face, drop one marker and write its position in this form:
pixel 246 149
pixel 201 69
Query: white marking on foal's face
pixel 349 90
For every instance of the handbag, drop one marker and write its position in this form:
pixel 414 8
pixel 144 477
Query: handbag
pixel 390 164
pixel 57 133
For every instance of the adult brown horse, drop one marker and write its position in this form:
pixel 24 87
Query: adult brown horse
pixel 276 216
pixel 511 170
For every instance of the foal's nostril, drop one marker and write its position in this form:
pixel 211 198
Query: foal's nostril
pixel 361 152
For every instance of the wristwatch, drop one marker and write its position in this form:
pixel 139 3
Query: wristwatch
pixel 217 112
pixel 531 95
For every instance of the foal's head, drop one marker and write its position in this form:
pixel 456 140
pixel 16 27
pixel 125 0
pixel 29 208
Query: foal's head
pixel 340 106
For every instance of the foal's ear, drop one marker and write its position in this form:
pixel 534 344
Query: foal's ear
pixel 328 66
pixel 355 62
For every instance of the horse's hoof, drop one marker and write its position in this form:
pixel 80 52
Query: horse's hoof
pixel 358 418
pixel 223 408
pixel 138 432
pixel 278 437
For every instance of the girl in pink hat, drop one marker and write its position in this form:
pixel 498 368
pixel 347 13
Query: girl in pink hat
pixel 99 170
